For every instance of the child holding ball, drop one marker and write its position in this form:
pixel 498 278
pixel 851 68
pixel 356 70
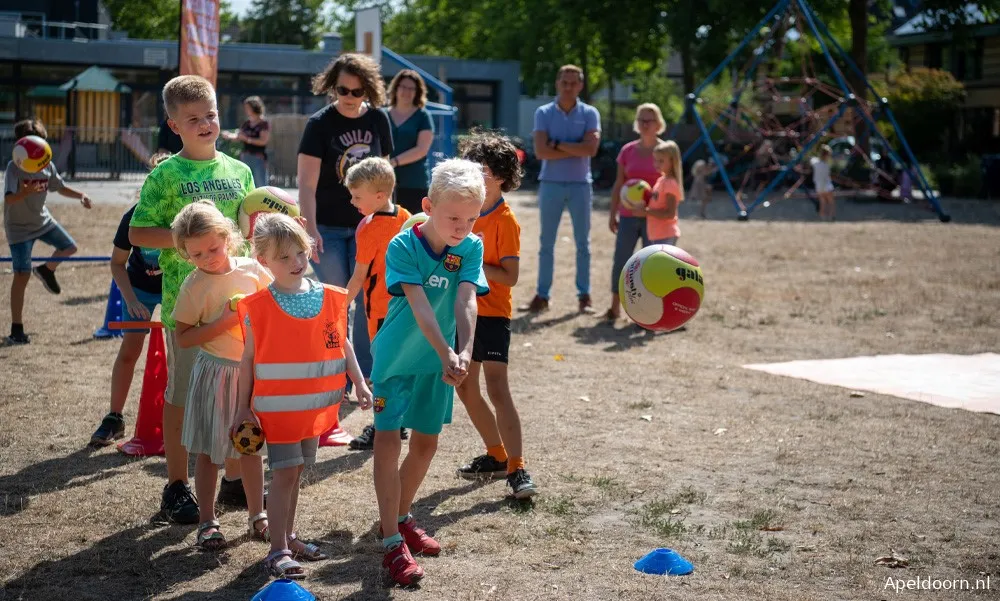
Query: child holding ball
pixel 206 318
pixel 661 214
pixel 293 373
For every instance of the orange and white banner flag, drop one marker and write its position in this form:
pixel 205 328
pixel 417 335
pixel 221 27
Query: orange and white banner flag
pixel 199 48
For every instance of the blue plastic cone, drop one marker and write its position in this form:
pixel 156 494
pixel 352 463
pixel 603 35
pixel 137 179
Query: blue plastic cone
pixel 113 312
pixel 283 590
pixel 664 562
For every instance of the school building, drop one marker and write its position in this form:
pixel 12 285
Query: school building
pixel 45 44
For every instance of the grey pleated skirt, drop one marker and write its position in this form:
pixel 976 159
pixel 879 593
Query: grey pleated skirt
pixel 211 407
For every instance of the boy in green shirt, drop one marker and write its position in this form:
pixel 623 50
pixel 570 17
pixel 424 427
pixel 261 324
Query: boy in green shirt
pixel 197 172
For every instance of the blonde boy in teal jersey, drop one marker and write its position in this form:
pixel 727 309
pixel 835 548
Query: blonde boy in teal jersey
pixel 433 272
pixel 197 172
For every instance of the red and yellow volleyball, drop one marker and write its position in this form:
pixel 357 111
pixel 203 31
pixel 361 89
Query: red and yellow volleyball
pixel 266 199
pixel 32 154
pixel 635 193
pixel 661 287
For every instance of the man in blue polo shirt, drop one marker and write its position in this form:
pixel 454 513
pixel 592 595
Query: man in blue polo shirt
pixel 566 135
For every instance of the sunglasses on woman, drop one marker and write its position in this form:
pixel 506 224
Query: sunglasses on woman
pixel 344 91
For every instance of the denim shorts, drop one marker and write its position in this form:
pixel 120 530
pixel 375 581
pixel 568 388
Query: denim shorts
pixel 148 300
pixel 20 252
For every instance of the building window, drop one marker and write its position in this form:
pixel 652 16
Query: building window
pixel 904 57
pixel 969 61
pixel 933 56
pixel 476 103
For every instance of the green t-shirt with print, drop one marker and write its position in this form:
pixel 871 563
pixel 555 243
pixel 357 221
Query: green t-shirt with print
pixel 176 183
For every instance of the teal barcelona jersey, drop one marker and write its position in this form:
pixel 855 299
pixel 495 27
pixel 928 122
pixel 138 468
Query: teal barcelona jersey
pixel 399 347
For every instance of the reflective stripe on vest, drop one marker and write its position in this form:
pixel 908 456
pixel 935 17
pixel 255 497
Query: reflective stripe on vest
pixel 300 371
pixel 296 402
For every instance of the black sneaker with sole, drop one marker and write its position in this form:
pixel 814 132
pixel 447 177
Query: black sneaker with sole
pixel 19 338
pixel 520 482
pixel 231 494
pixel 484 467
pixel 111 429
pixel 178 504
pixel 366 440
pixel 48 278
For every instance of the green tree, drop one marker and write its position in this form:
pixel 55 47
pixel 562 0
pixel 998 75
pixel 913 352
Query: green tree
pixel 922 96
pixel 297 22
pixel 155 19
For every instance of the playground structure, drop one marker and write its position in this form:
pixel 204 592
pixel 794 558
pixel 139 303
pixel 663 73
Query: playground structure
pixel 763 134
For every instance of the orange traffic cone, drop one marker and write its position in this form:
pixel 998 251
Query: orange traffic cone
pixel 335 436
pixel 148 439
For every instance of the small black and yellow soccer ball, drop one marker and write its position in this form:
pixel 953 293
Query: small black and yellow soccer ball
pixel 248 438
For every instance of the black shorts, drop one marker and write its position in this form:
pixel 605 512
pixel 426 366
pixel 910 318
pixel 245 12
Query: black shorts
pixel 492 341
pixel 411 199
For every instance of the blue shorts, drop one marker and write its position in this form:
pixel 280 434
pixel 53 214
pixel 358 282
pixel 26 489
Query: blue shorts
pixel 20 252
pixel 422 403
pixel 148 300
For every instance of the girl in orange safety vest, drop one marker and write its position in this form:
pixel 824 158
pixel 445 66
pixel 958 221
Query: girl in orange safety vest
pixel 296 359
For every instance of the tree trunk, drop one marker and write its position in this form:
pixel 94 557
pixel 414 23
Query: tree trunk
pixel 585 94
pixel 687 75
pixel 857 12
pixel 611 106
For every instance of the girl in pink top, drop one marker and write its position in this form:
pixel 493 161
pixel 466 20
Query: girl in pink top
pixel 635 161
pixel 661 213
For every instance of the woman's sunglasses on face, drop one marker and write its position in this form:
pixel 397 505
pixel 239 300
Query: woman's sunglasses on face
pixel 344 91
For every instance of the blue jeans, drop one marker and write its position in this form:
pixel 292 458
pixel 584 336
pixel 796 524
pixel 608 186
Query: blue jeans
pixel 553 198
pixel 335 268
pixel 630 230
pixel 20 252
pixel 258 166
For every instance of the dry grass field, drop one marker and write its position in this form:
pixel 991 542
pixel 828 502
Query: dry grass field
pixel 776 489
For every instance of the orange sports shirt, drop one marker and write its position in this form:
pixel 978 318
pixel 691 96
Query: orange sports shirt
pixel 501 235
pixel 373 236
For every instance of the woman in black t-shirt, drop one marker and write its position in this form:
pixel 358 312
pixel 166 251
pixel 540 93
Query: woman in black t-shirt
pixel 337 137
pixel 254 133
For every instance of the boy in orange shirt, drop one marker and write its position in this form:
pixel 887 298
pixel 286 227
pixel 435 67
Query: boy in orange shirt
pixel 371 183
pixel 501 235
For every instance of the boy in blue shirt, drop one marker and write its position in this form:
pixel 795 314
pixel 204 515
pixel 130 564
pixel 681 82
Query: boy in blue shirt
pixel 434 271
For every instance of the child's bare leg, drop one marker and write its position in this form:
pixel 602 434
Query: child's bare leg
pixel 66 252
pixel 17 287
pixel 508 420
pixel 124 368
pixel 414 468
pixel 206 477
pixel 387 478
pixel 284 482
pixel 233 469
pixel 176 453
pixel 252 471
pixel 475 405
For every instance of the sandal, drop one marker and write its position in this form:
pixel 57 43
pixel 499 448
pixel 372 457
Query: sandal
pixel 280 564
pixel 215 541
pixel 261 535
pixel 309 551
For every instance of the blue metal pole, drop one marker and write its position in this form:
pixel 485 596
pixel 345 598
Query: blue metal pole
pixel 843 55
pixel 718 163
pixel 826 51
pixel 805 151
pixel 925 185
pixel 62 259
pixel 781 5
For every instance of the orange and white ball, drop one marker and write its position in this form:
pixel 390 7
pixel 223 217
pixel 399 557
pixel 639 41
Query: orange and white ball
pixel 32 154
pixel 661 287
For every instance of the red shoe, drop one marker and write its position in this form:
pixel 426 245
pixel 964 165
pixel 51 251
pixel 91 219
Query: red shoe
pixel 402 567
pixel 335 437
pixel 418 540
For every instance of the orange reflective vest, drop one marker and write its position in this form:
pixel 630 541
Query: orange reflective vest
pixel 300 368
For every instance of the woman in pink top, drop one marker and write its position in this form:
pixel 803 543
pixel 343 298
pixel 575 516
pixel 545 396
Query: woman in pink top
pixel 635 161
pixel 661 213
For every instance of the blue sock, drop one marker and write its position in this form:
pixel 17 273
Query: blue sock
pixel 391 542
pixel 403 518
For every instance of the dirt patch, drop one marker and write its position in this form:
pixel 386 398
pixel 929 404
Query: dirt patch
pixel 774 488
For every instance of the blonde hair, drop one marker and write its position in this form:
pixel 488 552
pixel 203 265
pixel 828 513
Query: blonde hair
pixel 200 218
pixel 649 106
pixel 825 150
pixel 569 69
pixel 373 171
pixel 672 153
pixel 457 178
pixel 273 232
pixel 186 89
